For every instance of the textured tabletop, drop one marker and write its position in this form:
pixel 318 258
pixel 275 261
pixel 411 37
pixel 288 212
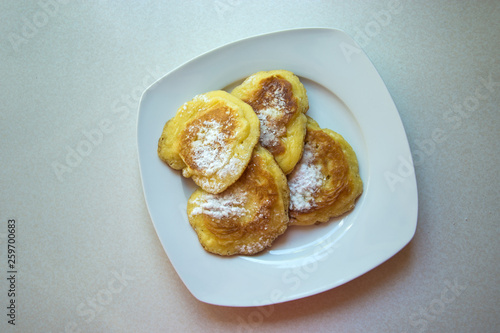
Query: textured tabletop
pixel 84 255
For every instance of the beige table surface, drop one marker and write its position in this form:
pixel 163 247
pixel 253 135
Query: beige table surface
pixel 88 257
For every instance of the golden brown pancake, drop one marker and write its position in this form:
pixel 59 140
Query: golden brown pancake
pixel 249 215
pixel 326 181
pixel 211 139
pixel 280 101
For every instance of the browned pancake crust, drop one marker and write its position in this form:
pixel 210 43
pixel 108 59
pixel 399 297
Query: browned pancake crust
pixel 280 101
pixel 326 181
pixel 217 115
pixel 248 216
pixel 211 139
pixel 275 92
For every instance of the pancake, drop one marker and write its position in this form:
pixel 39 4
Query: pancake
pixel 248 216
pixel 280 101
pixel 211 139
pixel 326 181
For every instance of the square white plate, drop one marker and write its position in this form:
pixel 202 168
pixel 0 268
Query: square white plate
pixel 347 95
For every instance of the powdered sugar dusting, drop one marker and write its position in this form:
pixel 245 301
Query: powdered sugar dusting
pixel 220 206
pixel 305 180
pixel 202 97
pixel 234 166
pixel 274 109
pixel 269 133
pixel 209 147
pixel 254 247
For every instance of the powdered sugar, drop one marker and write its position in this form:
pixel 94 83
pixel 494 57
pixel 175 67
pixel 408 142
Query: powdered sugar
pixel 273 110
pixel 304 182
pixel 269 132
pixel 202 97
pixel 209 147
pixel 220 206
pixel 270 112
pixel 277 99
pixel 234 166
pixel 254 247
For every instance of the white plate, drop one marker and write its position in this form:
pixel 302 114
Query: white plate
pixel 347 95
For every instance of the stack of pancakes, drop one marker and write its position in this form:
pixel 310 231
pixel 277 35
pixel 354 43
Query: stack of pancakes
pixel 260 163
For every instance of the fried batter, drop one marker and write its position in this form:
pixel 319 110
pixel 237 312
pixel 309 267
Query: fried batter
pixel 248 216
pixel 211 139
pixel 326 181
pixel 280 101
